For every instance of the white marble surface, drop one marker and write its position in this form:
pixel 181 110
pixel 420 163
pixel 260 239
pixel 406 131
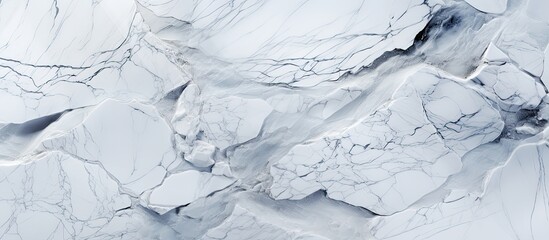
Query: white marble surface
pixel 397 154
pixel 274 119
pixel 130 140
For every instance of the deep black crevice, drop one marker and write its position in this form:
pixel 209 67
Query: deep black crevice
pixel 176 92
pixel 32 126
pixel 39 124
pixel 444 20
pixel 525 114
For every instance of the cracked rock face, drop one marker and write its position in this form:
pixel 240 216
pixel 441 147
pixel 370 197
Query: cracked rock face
pixel 129 140
pixel 264 119
pixel 397 154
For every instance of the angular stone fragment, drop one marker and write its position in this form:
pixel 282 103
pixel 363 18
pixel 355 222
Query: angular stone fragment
pixel 184 188
pixel 233 120
pixel 54 193
pixel 396 155
pixel 286 42
pixel 70 54
pixel 130 140
pixel 511 88
pixel 513 204
pixel 201 155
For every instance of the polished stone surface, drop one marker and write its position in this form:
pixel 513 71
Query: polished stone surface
pixel 274 119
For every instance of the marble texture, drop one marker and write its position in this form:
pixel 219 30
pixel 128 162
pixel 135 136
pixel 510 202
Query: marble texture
pixel 397 154
pixel 274 119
